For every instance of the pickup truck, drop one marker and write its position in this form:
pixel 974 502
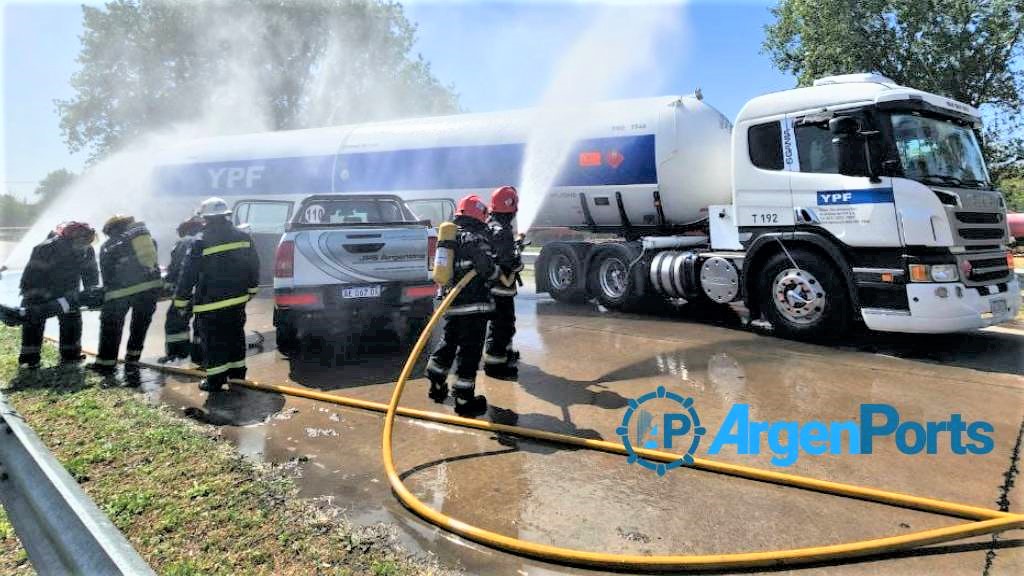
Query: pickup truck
pixel 347 264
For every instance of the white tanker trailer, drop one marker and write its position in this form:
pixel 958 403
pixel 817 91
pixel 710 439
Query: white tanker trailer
pixel 854 199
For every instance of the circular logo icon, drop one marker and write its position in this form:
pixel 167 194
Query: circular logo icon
pixel 314 214
pixel 664 421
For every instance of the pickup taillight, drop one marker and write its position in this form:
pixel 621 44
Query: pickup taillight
pixel 431 251
pixel 284 261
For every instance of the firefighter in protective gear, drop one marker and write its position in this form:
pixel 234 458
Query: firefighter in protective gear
pixel 220 275
pixel 131 278
pixel 500 360
pixel 61 265
pixel 466 319
pixel 177 337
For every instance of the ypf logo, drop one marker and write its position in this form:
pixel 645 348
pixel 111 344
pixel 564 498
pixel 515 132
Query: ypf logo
pixel 661 420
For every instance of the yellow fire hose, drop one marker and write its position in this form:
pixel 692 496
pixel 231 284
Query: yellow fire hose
pixel 984 520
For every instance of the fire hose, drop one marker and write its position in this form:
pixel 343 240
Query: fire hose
pixel 983 520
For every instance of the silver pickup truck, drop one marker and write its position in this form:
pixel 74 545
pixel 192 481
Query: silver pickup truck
pixel 349 264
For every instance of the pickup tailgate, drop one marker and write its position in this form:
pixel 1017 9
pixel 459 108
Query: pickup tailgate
pixel 360 255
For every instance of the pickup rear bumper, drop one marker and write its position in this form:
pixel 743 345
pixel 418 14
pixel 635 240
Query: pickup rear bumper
pixel 323 309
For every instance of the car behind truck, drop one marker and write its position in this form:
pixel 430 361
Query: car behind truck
pixel 350 264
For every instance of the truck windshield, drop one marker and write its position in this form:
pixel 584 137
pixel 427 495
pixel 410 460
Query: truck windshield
pixel 352 211
pixel 939 151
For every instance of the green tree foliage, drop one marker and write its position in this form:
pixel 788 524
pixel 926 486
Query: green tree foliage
pixel 52 185
pixel 15 213
pixel 969 50
pixel 148 64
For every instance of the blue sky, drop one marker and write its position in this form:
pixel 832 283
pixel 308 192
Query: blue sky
pixel 497 54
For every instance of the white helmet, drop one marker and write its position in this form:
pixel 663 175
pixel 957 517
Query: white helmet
pixel 214 207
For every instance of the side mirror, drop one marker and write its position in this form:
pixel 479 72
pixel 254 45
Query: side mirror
pixel 851 146
pixel 844 126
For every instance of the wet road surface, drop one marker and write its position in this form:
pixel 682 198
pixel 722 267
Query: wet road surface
pixel 579 368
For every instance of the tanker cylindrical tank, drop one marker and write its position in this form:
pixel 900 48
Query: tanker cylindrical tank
pixel 682 153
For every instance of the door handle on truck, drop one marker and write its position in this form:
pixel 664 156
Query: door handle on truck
pixel 805 216
pixel 363 248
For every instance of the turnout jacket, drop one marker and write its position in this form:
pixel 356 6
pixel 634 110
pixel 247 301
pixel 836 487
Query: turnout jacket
pixel 56 268
pixel 178 254
pixel 506 256
pixel 473 252
pixel 220 270
pixel 128 263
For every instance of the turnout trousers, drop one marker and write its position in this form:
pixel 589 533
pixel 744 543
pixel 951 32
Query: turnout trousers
pixel 502 329
pixel 462 344
pixel 112 317
pixel 220 337
pixel 70 338
pixel 177 336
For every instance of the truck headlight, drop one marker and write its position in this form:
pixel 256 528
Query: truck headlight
pixel 933 273
pixel 944 273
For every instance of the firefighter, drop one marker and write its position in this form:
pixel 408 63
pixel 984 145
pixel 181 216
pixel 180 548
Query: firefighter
pixel 177 339
pixel 62 264
pixel 131 278
pixel 500 360
pixel 220 274
pixel 466 319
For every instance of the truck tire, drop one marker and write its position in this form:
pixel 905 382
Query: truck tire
pixel 807 302
pixel 563 272
pixel 611 280
pixel 287 339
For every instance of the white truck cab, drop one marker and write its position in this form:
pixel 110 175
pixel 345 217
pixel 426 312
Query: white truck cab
pixel 887 186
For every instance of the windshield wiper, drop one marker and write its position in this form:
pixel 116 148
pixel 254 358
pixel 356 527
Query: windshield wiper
pixel 982 184
pixel 941 179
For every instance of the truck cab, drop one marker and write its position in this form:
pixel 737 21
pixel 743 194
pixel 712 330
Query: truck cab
pixel 881 185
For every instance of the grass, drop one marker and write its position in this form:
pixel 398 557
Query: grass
pixel 188 502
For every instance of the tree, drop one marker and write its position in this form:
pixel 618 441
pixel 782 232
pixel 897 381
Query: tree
pixel 150 64
pixel 968 50
pixel 52 185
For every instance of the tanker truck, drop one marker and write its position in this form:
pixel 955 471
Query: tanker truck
pixel 852 200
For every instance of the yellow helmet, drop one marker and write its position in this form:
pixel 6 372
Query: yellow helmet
pixel 117 221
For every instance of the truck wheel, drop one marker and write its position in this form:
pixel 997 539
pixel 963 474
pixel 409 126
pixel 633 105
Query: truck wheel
pixel 611 280
pixel 806 302
pixel 564 272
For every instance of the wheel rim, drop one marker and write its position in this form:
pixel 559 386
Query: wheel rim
pixel 561 275
pixel 798 296
pixel 612 275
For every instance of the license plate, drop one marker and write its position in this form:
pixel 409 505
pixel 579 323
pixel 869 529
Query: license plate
pixel 361 292
pixel 997 306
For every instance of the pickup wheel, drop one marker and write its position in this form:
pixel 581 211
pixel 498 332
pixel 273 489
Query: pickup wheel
pixel 804 302
pixel 614 279
pixel 287 337
pixel 563 269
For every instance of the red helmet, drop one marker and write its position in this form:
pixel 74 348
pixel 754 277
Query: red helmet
pixel 78 232
pixel 505 200
pixel 473 207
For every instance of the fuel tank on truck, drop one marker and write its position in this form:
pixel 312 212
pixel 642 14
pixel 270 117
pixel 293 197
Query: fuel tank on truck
pixel 676 145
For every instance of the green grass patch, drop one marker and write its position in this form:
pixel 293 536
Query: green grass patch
pixel 188 502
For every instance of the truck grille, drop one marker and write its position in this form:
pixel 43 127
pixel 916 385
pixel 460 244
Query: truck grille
pixel 981 233
pixel 985 268
pixel 978 222
pixel 979 217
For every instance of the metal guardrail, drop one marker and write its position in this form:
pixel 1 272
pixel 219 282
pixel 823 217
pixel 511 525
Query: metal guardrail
pixel 60 527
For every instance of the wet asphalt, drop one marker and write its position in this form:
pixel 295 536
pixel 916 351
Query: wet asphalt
pixel 580 366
